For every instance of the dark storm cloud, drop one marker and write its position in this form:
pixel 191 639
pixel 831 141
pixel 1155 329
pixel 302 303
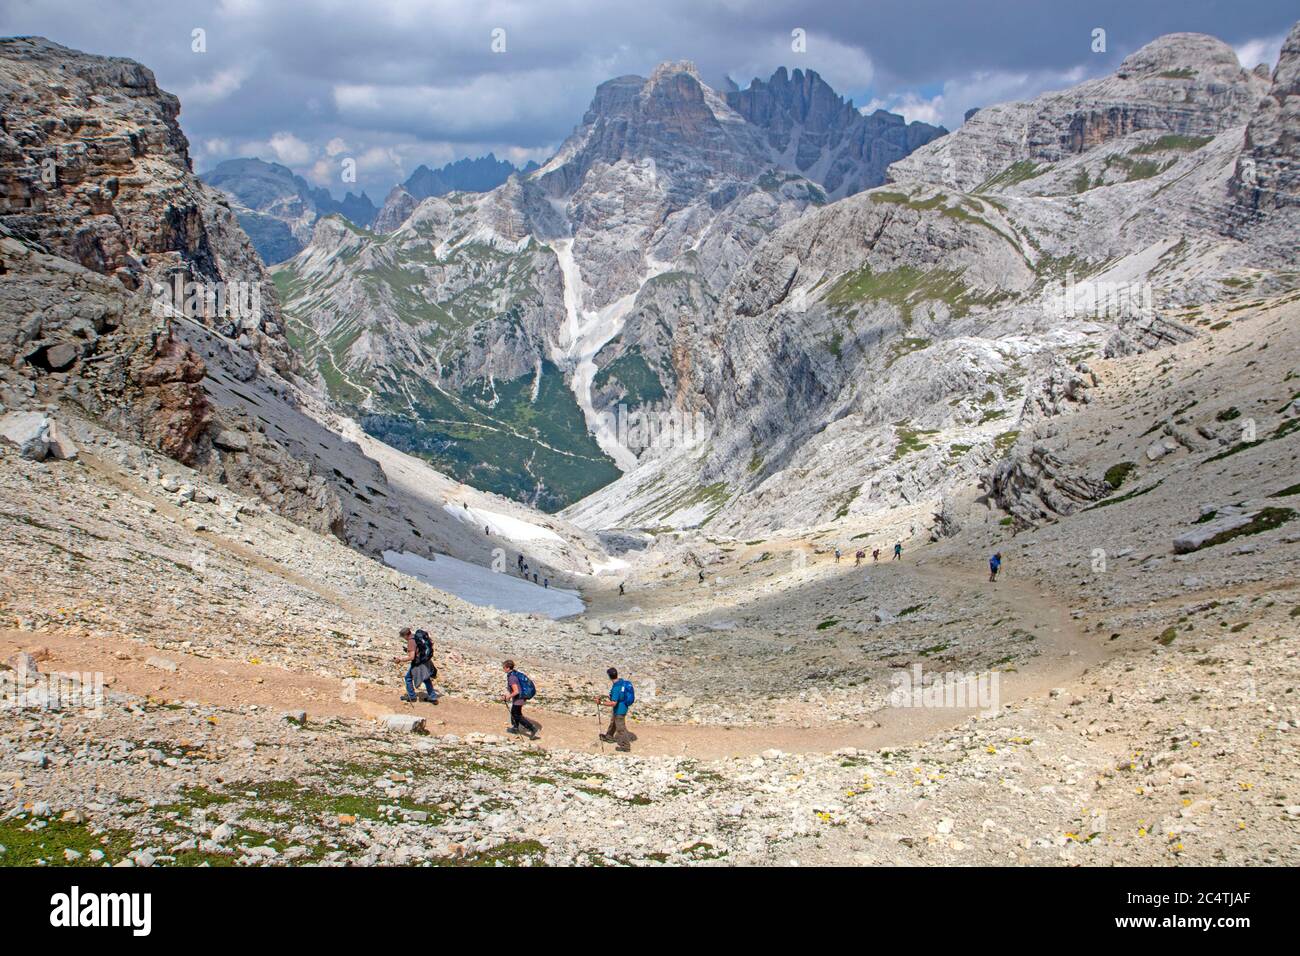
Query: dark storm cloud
pixel 393 83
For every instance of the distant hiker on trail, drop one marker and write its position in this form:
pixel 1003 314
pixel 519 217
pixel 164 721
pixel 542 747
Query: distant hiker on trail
pixel 898 550
pixel 837 555
pixel 620 588
pixel 419 655
pixel 520 562
pixel 621 697
pixel 546 583
pixel 519 690
pixel 701 575
pixel 857 558
pixel 995 563
pixel 875 556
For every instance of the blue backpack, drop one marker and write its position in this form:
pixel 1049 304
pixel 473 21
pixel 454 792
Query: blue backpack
pixel 626 692
pixel 527 690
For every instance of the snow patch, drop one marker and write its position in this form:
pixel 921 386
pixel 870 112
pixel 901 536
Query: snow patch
pixel 486 588
pixel 504 526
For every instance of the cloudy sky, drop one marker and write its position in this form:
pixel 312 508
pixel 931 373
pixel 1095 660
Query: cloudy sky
pixel 395 83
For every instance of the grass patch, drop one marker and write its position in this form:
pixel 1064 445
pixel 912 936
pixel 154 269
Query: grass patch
pixel 1117 474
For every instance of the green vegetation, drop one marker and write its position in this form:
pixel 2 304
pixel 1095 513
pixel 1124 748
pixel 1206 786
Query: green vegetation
pixel 1116 475
pixel 482 436
pixel 1170 142
pixel 641 384
pixel 1002 443
pixel 909 440
pixel 1107 502
pixel 1017 172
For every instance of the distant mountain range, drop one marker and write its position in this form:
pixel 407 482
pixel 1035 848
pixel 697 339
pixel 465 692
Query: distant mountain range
pixel 278 208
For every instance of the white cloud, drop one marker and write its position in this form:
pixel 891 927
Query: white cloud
pixel 220 85
pixel 983 88
pixel 844 67
pixel 1262 50
pixel 289 149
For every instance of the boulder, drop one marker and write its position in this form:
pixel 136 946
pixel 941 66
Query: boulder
pixel 404 723
pixel 228 439
pixel 1196 538
pixel 29 431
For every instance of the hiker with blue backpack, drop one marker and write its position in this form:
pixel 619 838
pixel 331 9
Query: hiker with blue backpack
pixel 621 697
pixel 519 690
pixel 995 565
pixel 419 655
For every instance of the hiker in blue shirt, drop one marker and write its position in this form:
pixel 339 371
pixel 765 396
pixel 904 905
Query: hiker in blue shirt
pixel 621 696
pixel 995 564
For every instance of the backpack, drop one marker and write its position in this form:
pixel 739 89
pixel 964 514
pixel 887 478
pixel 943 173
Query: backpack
pixel 423 647
pixel 626 692
pixel 527 690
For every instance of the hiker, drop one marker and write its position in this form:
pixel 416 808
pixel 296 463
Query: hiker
pixel 701 575
pixel 875 556
pixel 621 696
pixel 898 550
pixel 995 563
pixel 519 690
pixel 520 562
pixel 620 588
pixel 419 655
pixel 837 555
pixel 857 558
pixel 546 583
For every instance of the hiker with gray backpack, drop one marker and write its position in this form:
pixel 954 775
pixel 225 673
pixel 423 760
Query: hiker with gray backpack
pixel 419 655
pixel 519 690
pixel 621 697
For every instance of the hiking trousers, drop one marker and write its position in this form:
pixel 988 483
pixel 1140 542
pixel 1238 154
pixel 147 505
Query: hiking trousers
pixel 618 731
pixel 517 718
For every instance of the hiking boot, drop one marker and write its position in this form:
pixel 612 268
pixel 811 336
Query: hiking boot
pixel 625 749
pixel 408 698
pixel 532 734
pixel 607 738
pixel 513 730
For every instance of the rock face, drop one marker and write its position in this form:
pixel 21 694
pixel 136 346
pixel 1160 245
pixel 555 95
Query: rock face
pixel 104 180
pixel 101 212
pixel 880 352
pixel 822 136
pixel 1183 84
pixel 1266 181
pixel 534 311
pixel 278 208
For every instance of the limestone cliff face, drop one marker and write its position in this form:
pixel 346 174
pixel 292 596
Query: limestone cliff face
pixel 95 169
pixel 822 136
pixel 1183 84
pixel 912 340
pixel 1266 180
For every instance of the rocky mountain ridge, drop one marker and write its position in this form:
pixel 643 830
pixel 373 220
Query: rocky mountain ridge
pixel 567 286
pixel 893 348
